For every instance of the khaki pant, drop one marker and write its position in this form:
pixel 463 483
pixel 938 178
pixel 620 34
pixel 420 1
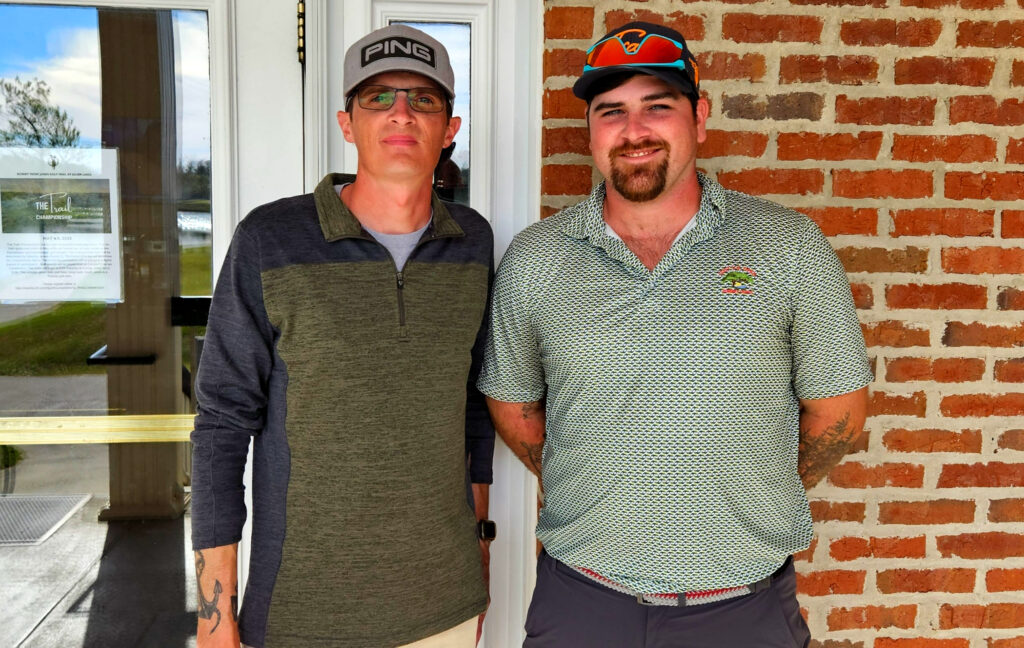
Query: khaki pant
pixel 461 636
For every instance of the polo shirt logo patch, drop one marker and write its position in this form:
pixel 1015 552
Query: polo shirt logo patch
pixel 738 279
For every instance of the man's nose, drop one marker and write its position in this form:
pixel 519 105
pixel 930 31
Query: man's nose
pixel 400 111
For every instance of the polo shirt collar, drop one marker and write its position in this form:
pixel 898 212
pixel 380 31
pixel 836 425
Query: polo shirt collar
pixel 337 221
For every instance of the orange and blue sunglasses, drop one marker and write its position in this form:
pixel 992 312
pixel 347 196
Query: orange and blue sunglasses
pixel 652 50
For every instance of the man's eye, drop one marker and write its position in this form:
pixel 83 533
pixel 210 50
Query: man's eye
pixel 382 97
pixel 426 100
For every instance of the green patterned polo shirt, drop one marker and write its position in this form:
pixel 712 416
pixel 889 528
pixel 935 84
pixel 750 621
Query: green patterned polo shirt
pixel 670 463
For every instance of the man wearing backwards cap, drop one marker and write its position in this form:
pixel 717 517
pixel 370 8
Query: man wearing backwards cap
pixel 672 359
pixel 344 339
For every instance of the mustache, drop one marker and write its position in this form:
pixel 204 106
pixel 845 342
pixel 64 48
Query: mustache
pixel 639 146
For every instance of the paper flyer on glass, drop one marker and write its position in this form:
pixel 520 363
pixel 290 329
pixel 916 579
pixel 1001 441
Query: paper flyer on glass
pixel 60 225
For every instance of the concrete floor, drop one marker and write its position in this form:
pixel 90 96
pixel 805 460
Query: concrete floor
pixel 90 584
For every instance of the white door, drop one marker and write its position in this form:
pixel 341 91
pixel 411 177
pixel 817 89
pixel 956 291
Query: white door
pixel 496 49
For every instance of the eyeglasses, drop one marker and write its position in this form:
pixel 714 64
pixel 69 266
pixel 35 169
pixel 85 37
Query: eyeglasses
pixel 424 100
pixel 652 50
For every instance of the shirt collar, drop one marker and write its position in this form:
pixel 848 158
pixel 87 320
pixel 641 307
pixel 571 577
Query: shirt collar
pixel 337 221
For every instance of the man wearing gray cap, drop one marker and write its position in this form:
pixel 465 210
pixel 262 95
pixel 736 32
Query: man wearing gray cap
pixel 344 339
pixel 677 362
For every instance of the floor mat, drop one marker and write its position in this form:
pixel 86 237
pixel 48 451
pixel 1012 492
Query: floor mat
pixel 31 519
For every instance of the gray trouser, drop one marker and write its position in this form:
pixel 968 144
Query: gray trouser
pixel 571 611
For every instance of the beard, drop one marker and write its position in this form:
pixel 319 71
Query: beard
pixel 639 182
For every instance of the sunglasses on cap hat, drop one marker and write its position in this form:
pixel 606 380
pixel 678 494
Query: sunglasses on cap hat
pixel 637 47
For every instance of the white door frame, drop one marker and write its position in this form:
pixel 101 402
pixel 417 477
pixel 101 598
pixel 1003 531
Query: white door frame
pixel 505 155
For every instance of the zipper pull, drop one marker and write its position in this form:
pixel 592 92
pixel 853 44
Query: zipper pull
pixel 401 280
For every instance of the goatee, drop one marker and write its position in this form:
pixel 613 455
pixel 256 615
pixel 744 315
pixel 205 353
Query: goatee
pixel 639 182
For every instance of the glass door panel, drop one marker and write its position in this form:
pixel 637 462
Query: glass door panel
pixel 105 274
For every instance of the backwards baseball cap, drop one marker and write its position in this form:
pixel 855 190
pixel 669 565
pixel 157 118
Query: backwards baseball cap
pixel 641 47
pixel 398 48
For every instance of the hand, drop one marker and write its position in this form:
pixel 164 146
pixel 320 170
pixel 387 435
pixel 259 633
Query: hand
pixel 485 562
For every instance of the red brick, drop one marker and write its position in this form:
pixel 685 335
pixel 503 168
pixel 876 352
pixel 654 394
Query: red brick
pixel 839 70
pixel 828 511
pixel 882 183
pixel 943 370
pixel 1004 580
pixel 994 186
pixel 1015 151
pixel 843 220
pixel 1002 34
pixel 835 581
pixel 722 143
pixel 980 546
pixel 564 62
pixel 563 104
pixel 881 404
pixel 1006 510
pixel 944 70
pixel 565 179
pixel 1010 298
pixel 686 23
pixel 774 181
pixel 900 440
pixel 905 33
pixel 863 297
pixel 1012 223
pixel 566 140
pixel 842 3
pixel 921 642
pixel 994 474
pixel 1017 74
pixel 569 22
pixel 893 333
pixel 974 334
pixel 892 581
pixel 996 615
pixel 983 4
pixel 945 222
pixel 983 405
pixel 949 148
pixel 852 548
pixel 859 259
pixel 546 211
pixel 931 512
pixel 928 4
pixel 818 146
pixel 752 28
pixel 983 260
pixel 985 109
pixel 1012 642
pixel 943 296
pixel 1012 440
pixel 872 616
pixel 853 474
pixel 1011 370
pixel 717 66
pixel 877 111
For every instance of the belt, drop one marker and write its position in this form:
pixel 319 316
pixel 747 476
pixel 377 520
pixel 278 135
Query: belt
pixel 684 598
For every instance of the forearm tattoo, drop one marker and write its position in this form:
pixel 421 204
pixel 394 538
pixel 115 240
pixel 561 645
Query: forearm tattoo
pixel 207 608
pixel 534 452
pixel 530 409
pixel 820 452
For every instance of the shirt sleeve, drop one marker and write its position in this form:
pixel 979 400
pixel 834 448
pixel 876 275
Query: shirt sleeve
pixel 829 356
pixel 231 390
pixel 479 429
pixel 512 370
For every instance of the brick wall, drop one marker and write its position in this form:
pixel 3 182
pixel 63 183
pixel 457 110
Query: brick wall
pixel 897 125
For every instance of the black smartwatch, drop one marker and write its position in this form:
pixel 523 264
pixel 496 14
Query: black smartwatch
pixel 486 530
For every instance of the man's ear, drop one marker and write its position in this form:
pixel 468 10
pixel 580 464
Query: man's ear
pixel 451 129
pixel 345 121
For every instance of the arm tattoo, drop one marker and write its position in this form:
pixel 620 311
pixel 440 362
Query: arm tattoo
pixel 534 452
pixel 820 453
pixel 207 608
pixel 234 607
pixel 529 409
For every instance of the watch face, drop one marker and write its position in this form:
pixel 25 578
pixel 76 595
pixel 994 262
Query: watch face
pixel 486 530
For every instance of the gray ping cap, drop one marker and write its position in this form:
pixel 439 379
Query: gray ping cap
pixel 398 48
